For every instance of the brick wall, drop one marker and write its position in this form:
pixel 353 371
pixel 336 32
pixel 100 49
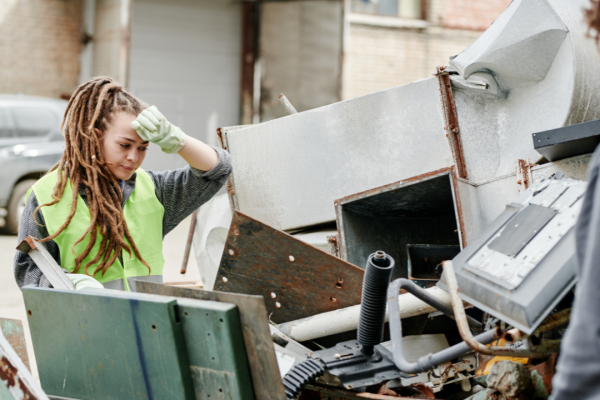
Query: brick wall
pixel 39 46
pixel 472 15
pixel 378 57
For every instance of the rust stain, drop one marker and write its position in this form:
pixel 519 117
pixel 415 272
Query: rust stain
pixel 9 375
pixel 555 320
pixel 339 202
pixel 296 279
pixel 451 119
pixel 14 333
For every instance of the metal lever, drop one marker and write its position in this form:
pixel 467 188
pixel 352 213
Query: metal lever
pixel 51 270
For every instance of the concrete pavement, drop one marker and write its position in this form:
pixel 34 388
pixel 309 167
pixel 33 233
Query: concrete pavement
pixel 11 301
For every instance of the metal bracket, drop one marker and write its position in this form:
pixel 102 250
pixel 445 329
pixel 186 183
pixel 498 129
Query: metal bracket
pixel 524 178
pixel 49 267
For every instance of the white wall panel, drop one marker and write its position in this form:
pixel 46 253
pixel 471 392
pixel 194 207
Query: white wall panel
pixel 186 60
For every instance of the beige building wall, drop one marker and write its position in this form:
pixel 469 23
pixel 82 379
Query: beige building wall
pixel 40 43
pixel 382 52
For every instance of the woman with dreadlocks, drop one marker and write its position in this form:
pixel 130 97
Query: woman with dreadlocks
pixel 97 212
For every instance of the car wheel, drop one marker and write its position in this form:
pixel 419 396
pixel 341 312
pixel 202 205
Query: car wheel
pixel 16 205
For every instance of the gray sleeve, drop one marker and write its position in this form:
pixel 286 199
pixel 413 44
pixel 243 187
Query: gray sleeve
pixel 184 190
pixel 578 368
pixel 26 271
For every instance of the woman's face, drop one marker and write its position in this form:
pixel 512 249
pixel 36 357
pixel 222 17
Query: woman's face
pixel 122 148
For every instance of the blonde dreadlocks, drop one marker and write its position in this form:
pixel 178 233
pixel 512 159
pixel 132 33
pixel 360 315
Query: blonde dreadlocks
pixel 91 107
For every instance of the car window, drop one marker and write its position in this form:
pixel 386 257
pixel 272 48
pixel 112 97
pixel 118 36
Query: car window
pixel 5 128
pixel 33 122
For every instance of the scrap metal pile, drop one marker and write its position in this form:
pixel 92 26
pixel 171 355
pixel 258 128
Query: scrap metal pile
pixel 418 241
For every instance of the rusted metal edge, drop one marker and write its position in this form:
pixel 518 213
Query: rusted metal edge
pixel 13 332
pixel 27 245
pixel 15 376
pixel 545 349
pixel 261 260
pixel 523 172
pixel 459 211
pixel 229 185
pixel 451 119
pixel 391 186
pixel 188 244
pixel 48 265
pixel 552 321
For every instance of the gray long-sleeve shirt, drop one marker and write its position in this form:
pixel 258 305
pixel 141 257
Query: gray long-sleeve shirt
pixel 180 191
pixel 578 368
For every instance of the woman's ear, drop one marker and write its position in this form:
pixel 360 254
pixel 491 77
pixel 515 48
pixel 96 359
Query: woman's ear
pixel 99 133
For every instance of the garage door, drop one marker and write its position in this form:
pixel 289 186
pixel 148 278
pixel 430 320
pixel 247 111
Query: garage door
pixel 186 60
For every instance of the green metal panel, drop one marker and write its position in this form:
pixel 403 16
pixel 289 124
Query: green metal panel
pixel 216 350
pixel 104 344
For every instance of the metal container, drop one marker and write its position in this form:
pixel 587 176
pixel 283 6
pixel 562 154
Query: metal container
pixel 422 209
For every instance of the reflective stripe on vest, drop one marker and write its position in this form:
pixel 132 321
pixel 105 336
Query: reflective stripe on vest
pixel 143 213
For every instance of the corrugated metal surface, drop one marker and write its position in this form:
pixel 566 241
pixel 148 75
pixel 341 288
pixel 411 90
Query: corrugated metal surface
pixel 289 171
pixel 186 60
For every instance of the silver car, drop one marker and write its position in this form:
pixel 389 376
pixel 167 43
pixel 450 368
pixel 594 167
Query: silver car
pixel 30 144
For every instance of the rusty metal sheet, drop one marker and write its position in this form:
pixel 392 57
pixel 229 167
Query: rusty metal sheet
pixel 451 120
pixel 16 382
pixel 295 279
pixel 264 370
pixel 12 329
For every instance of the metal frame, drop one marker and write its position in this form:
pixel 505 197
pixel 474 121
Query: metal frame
pixel 49 267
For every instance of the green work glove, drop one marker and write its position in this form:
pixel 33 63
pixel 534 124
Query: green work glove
pixel 82 281
pixel 151 125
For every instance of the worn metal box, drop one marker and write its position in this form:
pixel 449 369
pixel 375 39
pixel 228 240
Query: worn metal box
pixel 524 262
pixel 106 344
pixel 423 209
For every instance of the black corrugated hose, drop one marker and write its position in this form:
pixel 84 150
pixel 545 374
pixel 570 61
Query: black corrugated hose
pixel 300 376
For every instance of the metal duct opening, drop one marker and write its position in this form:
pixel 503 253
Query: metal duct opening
pixel 418 212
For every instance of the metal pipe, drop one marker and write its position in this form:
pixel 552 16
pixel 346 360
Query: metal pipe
pixel 438 304
pixel 188 244
pixel 429 361
pixel 544 350
pixel 286 103
pixel 346 319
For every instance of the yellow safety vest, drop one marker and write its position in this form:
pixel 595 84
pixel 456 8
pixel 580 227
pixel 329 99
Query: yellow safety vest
pixel 143 213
